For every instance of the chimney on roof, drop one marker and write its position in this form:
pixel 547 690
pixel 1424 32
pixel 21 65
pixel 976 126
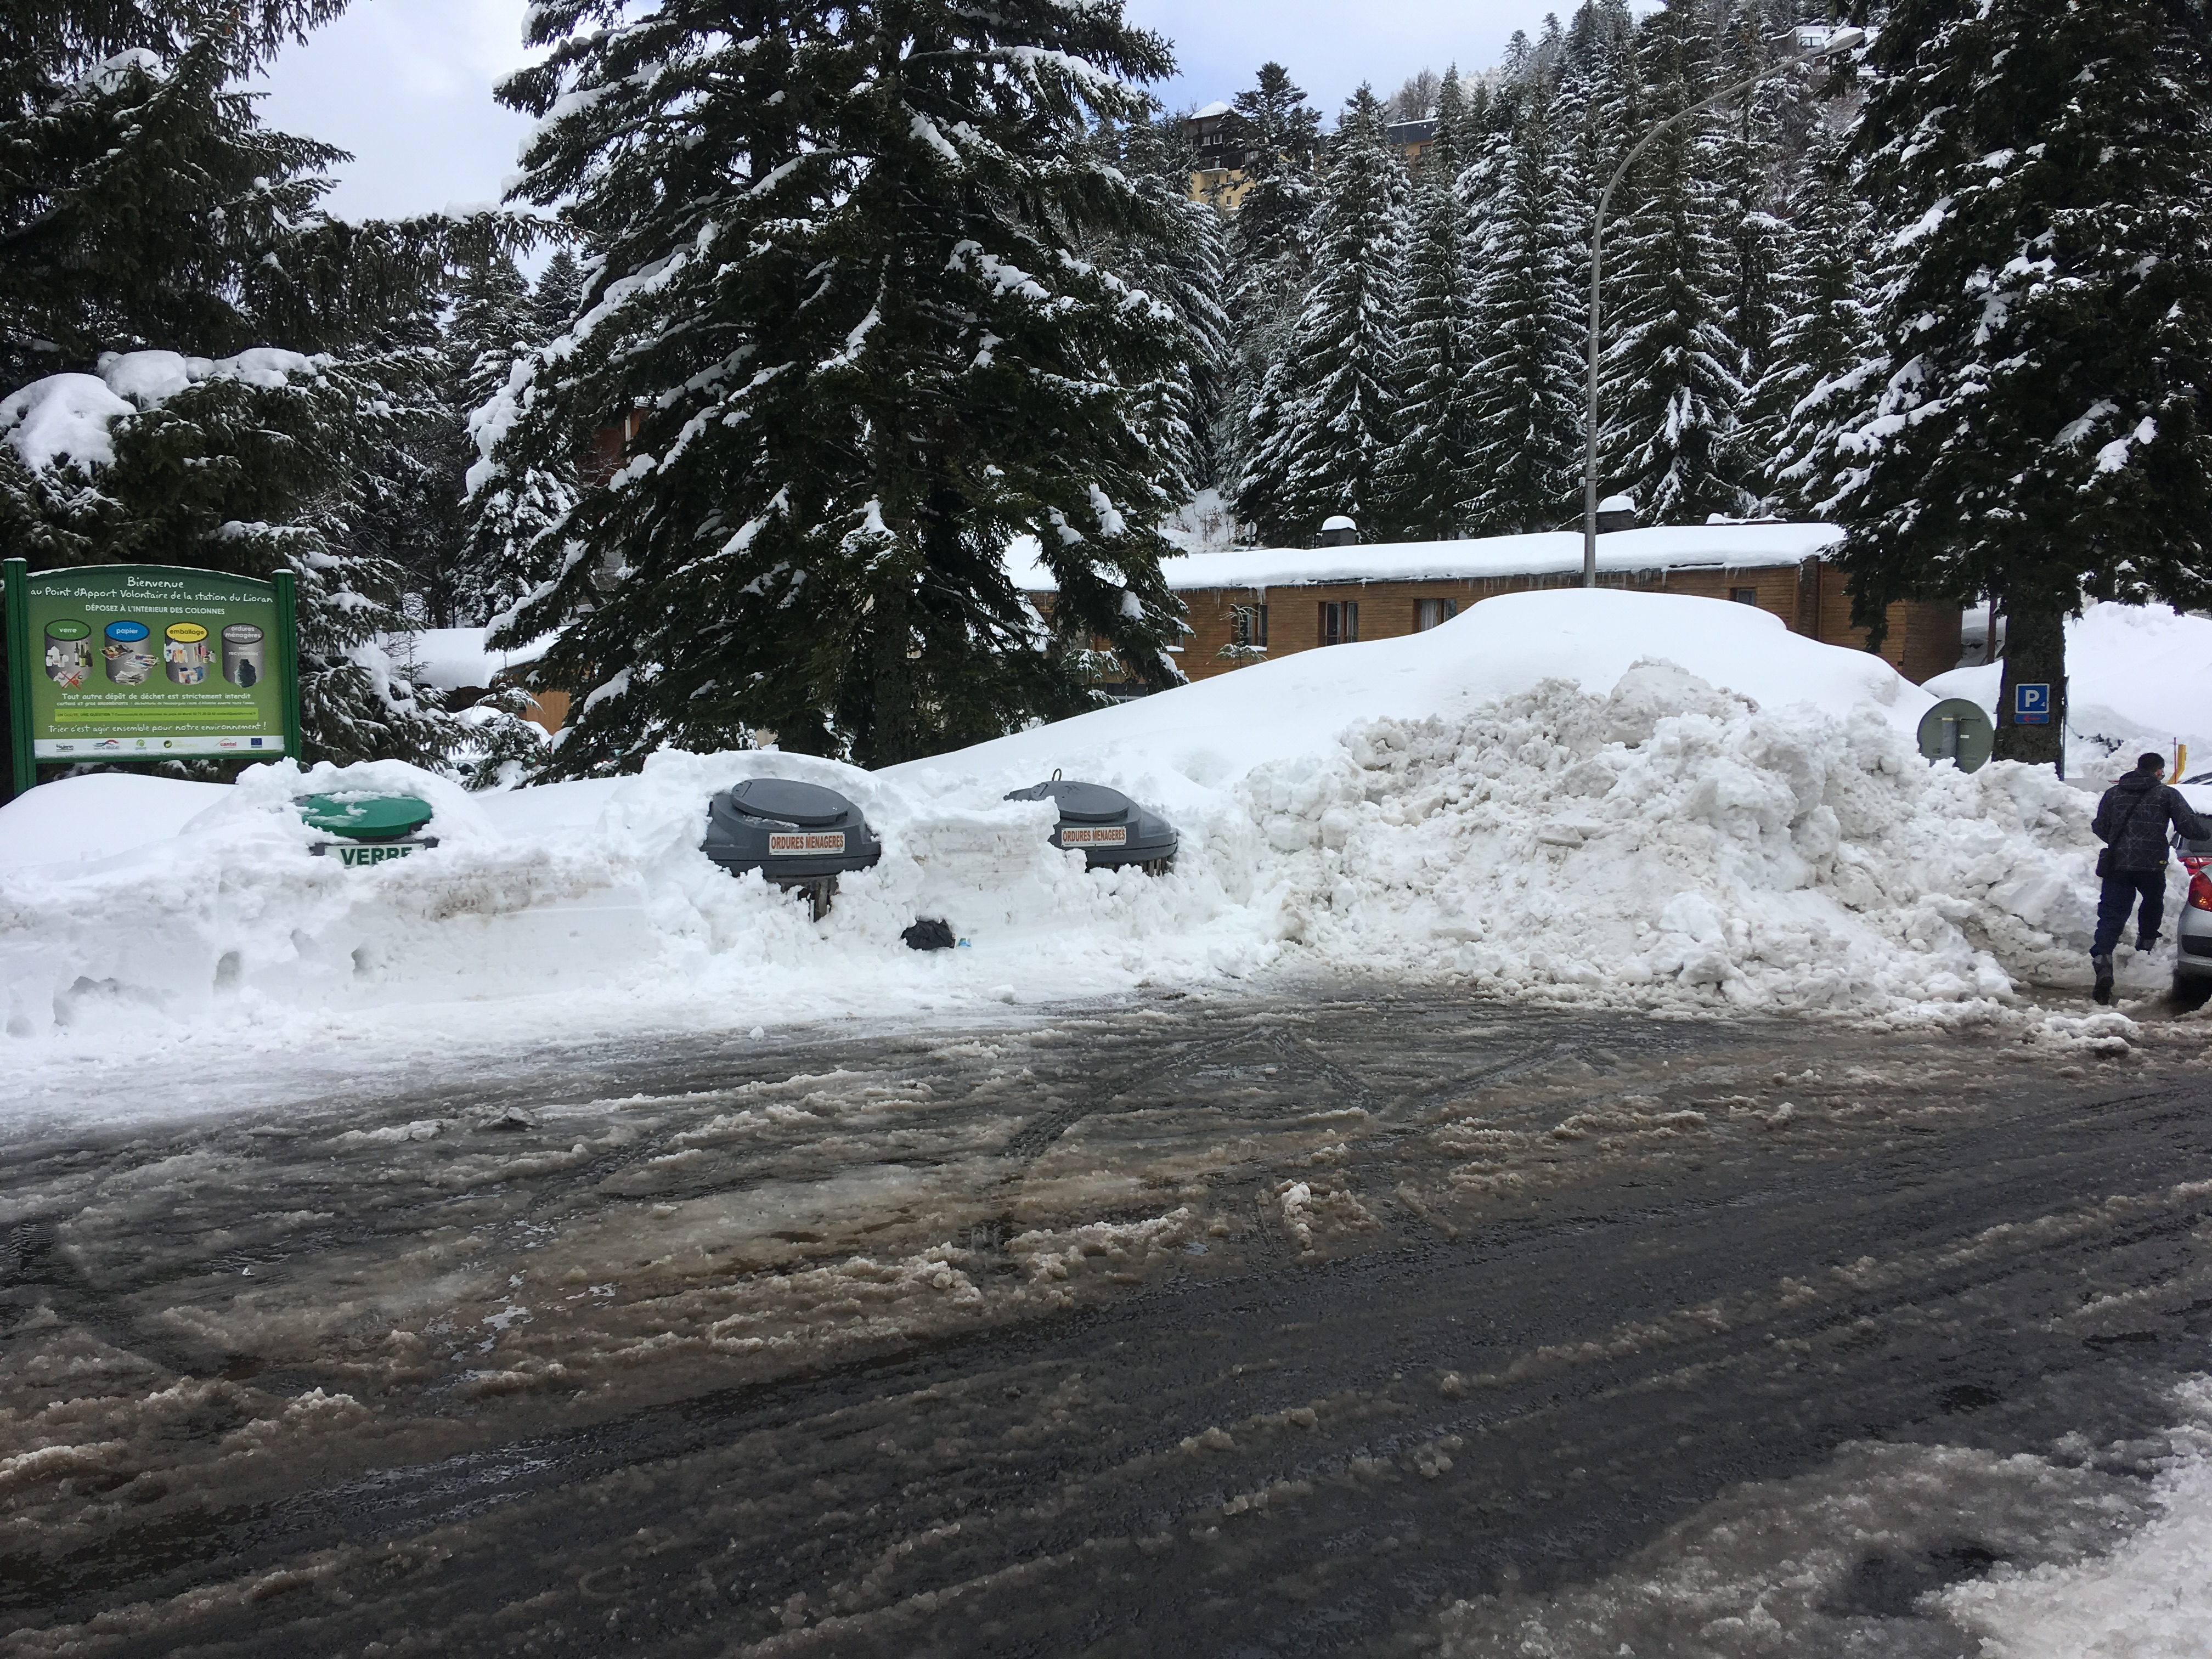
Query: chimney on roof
pixel 1616 513
pixel 1339 532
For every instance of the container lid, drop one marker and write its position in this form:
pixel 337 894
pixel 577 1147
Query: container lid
pixel 789 801
pixel 364 818
pixel 1082 803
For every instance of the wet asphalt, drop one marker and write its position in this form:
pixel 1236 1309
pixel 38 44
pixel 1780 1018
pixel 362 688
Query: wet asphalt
pixel 1256 1325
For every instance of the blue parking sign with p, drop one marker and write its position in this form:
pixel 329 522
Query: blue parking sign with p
pixel 2031 704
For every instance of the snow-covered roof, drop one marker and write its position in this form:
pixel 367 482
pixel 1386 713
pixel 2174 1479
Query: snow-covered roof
pixel 1217 107
pixel 1701 547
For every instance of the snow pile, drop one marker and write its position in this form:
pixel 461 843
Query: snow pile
pixel 2152 1594
pixel 69 417
pixel 2088 1563
pixel 2141 679
pixel 1526 800
pixel 99 816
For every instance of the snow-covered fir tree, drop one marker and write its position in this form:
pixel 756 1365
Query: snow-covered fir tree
pixel 1430 483
pixel 1267 436
pixel 494 322
pixel 1672 394
pixel 1342 362
pixel 504 548
pixel 1749 157
pixel 139 190
pixel 520 482
pixel 1598 92
pixel 2032 426
pixel 407 516
pixel 833 275
pixel 146 210
pixel 521 479
pixel 1529 326
pixel 1277 136
pixel 553 302
pixel 1179 260
pixel 1823 337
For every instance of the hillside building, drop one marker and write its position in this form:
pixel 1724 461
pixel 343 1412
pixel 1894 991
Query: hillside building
pixel 1218 175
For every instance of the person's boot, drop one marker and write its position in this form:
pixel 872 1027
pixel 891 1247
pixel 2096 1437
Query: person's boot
pixel 2104 966
pixel 2148 941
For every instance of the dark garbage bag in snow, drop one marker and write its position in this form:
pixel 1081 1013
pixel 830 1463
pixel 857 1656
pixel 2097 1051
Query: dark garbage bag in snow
pixel 797 834
pixel 929 934
pixel 1107 827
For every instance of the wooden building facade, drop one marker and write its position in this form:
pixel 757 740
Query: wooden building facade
pixel 1250 605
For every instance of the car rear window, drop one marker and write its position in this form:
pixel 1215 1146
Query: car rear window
pixel 2203 808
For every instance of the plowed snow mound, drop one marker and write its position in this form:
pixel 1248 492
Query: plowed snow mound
pixel 1533 798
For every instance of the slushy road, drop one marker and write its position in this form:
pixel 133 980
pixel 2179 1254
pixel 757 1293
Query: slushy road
pixel 1329 1321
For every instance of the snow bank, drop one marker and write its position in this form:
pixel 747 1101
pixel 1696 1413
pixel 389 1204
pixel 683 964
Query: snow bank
pixel 2141 676
pixel 79 820
pixel 1522 800
pixel 2148 1598
pixel 2090 1564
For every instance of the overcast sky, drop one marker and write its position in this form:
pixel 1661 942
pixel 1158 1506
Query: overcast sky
pixel 406 84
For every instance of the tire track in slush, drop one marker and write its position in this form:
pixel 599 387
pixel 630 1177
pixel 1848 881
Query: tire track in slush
pixel 1241 1448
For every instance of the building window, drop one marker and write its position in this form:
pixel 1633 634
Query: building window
pixel 1339 623
pixel 1249 626
pixel 1433 613
pixel 1744 595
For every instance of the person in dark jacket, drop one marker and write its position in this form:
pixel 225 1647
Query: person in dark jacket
pixel 2131 821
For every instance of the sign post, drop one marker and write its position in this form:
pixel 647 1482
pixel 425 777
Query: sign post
pixel 141 664
pixel 13 582
pixel 2031 704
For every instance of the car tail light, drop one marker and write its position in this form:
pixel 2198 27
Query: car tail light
pixel 2200 890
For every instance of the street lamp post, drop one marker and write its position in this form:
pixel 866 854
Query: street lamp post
pixel 1842 40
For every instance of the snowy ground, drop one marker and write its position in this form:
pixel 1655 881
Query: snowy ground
pixel 1523 803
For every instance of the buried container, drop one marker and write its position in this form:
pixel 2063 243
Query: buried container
pixel 376 828
pixel 796 835
pixel 1108 828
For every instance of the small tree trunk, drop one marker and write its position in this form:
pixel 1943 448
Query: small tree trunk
pixel 892 726
pixel 2035 654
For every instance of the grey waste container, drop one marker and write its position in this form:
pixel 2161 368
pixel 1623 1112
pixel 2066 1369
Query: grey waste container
pixel 1107 827
pixel 797 834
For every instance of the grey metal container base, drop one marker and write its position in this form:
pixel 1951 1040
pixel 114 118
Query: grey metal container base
pixel 821 890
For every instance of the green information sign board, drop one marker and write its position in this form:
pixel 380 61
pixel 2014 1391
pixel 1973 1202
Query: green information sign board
pixel 148 663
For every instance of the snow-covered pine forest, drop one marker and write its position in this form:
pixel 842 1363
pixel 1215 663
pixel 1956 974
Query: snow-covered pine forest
pixel 841 300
